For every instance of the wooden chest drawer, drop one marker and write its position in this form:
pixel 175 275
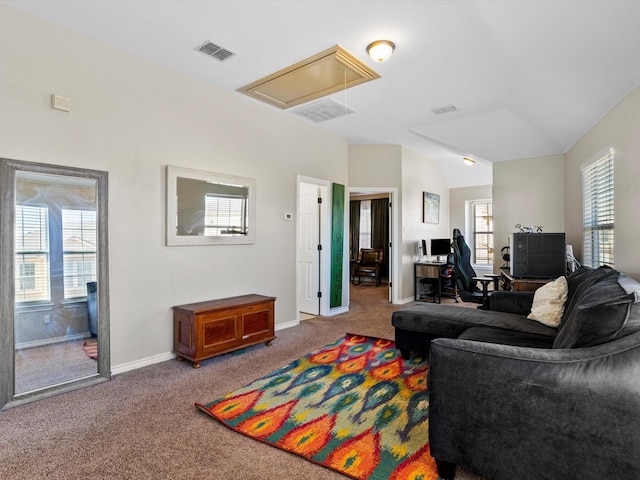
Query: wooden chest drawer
pixel 205 329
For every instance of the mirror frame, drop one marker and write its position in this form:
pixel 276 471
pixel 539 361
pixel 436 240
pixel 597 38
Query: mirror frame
pixel 173 239
pixel 8 170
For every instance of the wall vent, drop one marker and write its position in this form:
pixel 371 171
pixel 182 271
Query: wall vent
pixel 323 110
pixel 216 51
pixel 444 109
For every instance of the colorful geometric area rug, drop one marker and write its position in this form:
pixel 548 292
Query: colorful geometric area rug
pixel 354 406
pixel 90 347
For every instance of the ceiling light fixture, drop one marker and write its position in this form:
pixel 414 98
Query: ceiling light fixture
pixel 468 161
pixel 380 50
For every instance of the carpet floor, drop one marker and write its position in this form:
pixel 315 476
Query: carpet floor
pixel 143 424
pixel 38 367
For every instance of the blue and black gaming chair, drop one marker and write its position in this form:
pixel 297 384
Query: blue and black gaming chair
pixel 466 278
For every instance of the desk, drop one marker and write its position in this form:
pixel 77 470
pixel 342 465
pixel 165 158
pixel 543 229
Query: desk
pixel 521 284
pixel 427 270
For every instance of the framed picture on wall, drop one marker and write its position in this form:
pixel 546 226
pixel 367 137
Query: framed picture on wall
pixel 431 208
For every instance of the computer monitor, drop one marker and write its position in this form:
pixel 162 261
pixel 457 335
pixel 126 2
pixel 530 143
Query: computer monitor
pixel 440 247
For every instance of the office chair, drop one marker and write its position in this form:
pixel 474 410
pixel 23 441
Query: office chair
pixel 465 276
pixel 447 279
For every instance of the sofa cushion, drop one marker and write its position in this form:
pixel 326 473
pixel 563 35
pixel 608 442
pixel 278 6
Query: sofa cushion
pixel 506 337
pixel 451 320
pixel 512 302
pixel 548 302
pixel 608 309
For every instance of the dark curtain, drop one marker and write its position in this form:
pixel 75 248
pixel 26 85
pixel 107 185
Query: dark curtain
pixel 354 229
pixel 380 230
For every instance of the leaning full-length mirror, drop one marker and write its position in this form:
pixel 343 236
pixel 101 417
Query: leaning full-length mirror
pixel 53 280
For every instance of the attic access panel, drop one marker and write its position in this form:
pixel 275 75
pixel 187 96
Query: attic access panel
pixel 327 72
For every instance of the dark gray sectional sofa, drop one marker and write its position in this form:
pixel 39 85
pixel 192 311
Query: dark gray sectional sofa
pixel 514 399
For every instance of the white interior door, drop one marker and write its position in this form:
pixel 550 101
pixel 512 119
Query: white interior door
pixel 308 256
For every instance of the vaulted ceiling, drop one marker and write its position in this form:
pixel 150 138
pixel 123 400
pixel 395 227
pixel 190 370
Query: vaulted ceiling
pixel 526 78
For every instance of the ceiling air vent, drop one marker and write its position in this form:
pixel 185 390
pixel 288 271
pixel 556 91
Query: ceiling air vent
pixel 445 109
pixel 216 51
pixel 323 110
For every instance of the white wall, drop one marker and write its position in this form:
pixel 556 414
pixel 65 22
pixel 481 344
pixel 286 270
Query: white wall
pixel 419 175
pixel 620 130
pixel 458 204
pixel 132 118
pixel 530 192
pixel 375 166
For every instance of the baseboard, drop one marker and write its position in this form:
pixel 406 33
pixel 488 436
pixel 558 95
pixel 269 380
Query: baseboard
pixel 282 326
pixel 51 341
pixel 337 311
pixel 143 362
pixel 163 357
pixel 406 300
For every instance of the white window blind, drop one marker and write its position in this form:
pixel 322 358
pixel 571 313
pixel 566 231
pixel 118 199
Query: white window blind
pixel 598 212
pixel 32 254
pixel 79 240
pixel 365 224
pixel 225 215
pixel 483 233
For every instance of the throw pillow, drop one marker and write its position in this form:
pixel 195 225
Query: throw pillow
pixel 548 302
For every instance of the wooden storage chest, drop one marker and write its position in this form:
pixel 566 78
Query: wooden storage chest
pixel 205 329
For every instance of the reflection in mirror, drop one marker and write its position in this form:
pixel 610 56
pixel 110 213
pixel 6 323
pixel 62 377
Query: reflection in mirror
pixel 205 208
pixel 58 288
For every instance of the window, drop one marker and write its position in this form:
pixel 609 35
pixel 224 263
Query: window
pixel 482 232
pixel 79 251
pixel 598 214
pixel 225 215
pixel 365 224
pixel 32 254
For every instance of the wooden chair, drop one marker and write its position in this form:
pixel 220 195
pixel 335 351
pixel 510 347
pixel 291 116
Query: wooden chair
pixel 368 264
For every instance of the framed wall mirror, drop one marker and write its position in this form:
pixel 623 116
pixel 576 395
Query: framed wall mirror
pixel 206 208
pixel 54 283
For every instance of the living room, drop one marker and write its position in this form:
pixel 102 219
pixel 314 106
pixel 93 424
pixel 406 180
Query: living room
pixel 132 117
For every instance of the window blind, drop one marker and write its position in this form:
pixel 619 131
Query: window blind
pixel 79 241
pixel 32 254
pixel 225 215
pixel 483 233
pixel 598 212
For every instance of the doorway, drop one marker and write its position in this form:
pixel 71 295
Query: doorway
pixel 376 210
